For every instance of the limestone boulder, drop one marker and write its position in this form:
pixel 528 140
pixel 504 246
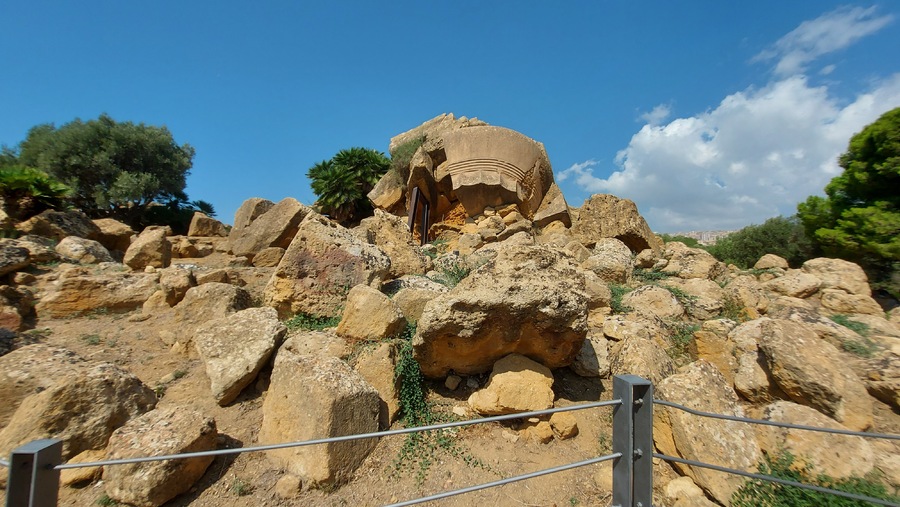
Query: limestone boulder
pixel 313 397
pixel 689 262
pixel 60 224
pixel 822 380
pixel 700 386
pixel 376 365
pixel 81 405
pixel 205 226
pixel 234 348
pixel 746 291
pixel 794 283
pixel 705 297
pixel 770 261
pixel 203 303
pixel 593 358
pixel 752 378
pixel 553 208
pixel 529 300
pixel 150 248
pixel 320 266
pixel 610 261
pixel 651 301
pixel 516 384
pixel 79 291
pixel 391 234
pixel 250 210
pixel 412 282
pixel 114 235
pixel 275 227
pixel 839 301
pixel 883 377
pixel 171 430
pixel 720 351
pixel 27 370
pixel 839 456
pixel 839 274
pixel 85 251
pixel 318 343
pixel 175 281
pixel 16 308
pixel 411 302
pixel 644 358
pixel 13 257
pixel 622 327
pixel 607 216
pixel 40 249
pixel 268 257
pixel 369 315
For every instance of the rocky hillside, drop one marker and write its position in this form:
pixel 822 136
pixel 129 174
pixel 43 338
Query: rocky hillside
pixel 126 344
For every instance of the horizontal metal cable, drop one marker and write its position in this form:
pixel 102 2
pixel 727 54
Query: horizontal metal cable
pixel 4 463
pixel 775 423
pixel 776 480
pixel 508 480
pixel 417 429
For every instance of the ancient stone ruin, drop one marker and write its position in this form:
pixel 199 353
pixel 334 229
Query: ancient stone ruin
pixel 463 167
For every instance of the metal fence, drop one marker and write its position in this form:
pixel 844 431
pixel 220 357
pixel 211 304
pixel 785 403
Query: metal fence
pixel 34 468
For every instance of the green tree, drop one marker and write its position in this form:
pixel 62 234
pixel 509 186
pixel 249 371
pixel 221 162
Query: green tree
pixel 114 168
pixel 859 218
pixel 343 183
pixel 782 236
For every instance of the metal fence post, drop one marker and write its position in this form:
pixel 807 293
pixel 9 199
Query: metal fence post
pixel 33 481
pixel 633 437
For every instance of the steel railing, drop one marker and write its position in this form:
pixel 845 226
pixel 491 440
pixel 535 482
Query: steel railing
pixel 34 468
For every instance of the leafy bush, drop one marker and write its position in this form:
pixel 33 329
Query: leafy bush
pixel 402 155
pixel 682 336
pixel 27 191
pixel 618 292
pixel 758 493
pixel 450 274
pixel 307 322
pixel 651 275
pixel 860 328
pixel 781 236
pixel 418 450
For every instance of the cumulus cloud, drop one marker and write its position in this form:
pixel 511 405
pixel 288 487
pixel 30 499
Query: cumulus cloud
pixel 754 156
pixel 659 114
pixel 829 32
pixel 757 153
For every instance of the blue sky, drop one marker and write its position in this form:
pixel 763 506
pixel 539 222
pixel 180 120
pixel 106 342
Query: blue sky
pixel 709 115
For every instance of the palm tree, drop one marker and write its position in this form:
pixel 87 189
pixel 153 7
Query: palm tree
pixel 343 183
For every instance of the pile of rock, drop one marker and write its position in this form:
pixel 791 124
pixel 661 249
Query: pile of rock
pixel 542 287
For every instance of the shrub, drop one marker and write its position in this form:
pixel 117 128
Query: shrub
pixel 450 274
pixel 758 493
pixel 308 322
pixel 418 450
pixel 618 292
pixel 27 191
pixel 781 236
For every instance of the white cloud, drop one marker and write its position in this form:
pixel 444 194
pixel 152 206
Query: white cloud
pixel 829 32
pixel 659 114
pixel 755 156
